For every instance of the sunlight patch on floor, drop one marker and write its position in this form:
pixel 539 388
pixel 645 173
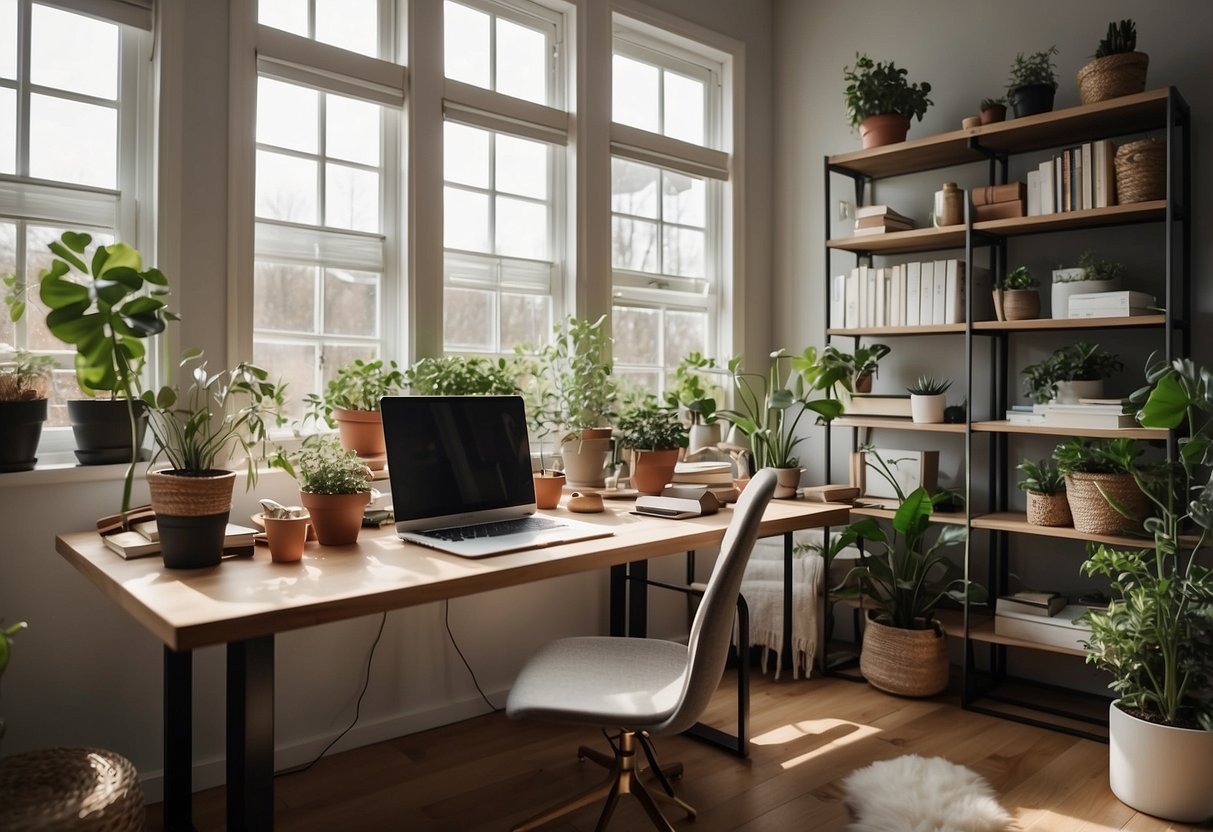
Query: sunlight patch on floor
pixel 827 734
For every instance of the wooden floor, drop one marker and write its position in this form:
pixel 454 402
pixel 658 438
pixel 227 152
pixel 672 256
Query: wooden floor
pixel 489 772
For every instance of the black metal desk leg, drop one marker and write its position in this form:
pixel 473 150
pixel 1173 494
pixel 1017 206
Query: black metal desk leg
pixel 250 734
pixel 619 600
pixel 638 599
pixel 789 657
pixel 178 739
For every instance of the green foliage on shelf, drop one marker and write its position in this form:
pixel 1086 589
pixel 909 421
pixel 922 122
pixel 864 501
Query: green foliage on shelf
pixel 359 385
pixel 648 426
pixel 1043 477
pixel 1095 269
pixel 322 466
pixel 877 88
pixel 1077 362
pixel 991 103
pixel 459 375
pixel 1036 68
pixel 928 386
pixel 843 369
pixel 569 383
pixel 27 377
pixel 1018 278
pixel 1097 456
pixel 1121 37
pixel 693 390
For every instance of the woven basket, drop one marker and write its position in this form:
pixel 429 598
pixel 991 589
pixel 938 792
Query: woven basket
pixel 70 788
pixel 1017 304
pixel 904 662
pixel 1141 171
pixel 1049 509
pixel 182 496
pixel 1113 76
pixel 1093 514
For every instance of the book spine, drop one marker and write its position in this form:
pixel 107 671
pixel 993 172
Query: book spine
pixel 1034 193
pixel 926 297
pixel 1046 187
pixel 938 316
pixel 913 283
pixel 838 300
pixel 851 319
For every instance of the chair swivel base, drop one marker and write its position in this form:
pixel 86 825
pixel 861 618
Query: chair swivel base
pixel 623 778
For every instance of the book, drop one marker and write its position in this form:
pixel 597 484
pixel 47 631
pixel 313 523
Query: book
pixel 891 223
pixel 830 493
pixel 1046 187
pixel 1045 604
pixel 869 404
pixel 999 211
pixel 940 285
pixel 1075 418
pixel 863 232
pixel 913 272
pixel 851 317
pixel 1018 417
pixel 1086 177
pixel 870 296
pixel 1103 158
pixel 865 317
pixel 1110 312
pixel 131 544
pixel 880 315
pixel 1059 630
pixel 992 194
pixel 838 299
pixel 926 296
pixel 704 473
pixel 880 211
pixel 233 535
pixel 1034 193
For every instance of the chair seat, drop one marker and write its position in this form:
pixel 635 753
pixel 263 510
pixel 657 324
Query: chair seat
pixel 607 682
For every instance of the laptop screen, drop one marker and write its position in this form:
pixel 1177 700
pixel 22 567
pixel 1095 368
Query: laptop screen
pixel 450 456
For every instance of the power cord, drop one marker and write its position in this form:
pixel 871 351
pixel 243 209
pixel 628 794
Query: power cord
pixel 366 681
pixel 446 619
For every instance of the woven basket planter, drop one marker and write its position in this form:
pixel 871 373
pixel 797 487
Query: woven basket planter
pixel 191 515
pixel 1049 509
pixel 904 662
pixel 1016 304
pixel 1113 76
pixel 86 789
pixel 1093 514
pixel 1141 171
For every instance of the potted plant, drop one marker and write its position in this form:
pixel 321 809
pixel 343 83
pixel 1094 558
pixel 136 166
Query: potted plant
pixel 927 399
pixel 654 434
pixel 1117 69
pixel 693 391
pixel 993 110
pixel 334 486
pixel 1071 373
pixel 1156 636
pixel 459 375
pixel 24 385
pixel 1015 296
pixel 852 372
pixel 769 409
pixel 1046 489
pixel 880 101
pixel 351 404
pixel 223 412
pixel 6 650
pixel 1033 83
pixel 1103 494
pixel 1091 275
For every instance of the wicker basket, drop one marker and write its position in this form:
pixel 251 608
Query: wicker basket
pixel 1093 514
pixel 182 496
pixel 1113 76
pixel 1016 304
pixel 904 662
pixel 70 788
pixel 1141 171
pixel 1049 509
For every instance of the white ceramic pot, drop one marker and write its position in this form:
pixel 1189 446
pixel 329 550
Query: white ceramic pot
pixel 1062 292
pixel 788 481
pixel 1069 392
pixel 703 436
pixel 1160 770
pixel 584 461
pixel 927 409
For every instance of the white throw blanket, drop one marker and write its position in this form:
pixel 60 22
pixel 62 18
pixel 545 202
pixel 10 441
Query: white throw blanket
pixel 762 588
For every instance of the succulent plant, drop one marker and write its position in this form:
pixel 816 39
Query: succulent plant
pixel 1121 37
pixel 928 386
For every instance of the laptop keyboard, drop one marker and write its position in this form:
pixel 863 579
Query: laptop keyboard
pixel 497 529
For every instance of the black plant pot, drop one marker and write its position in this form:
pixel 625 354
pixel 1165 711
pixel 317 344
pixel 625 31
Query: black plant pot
pixel 102 428
pixel 20 430
pixel 191 542
pixel 1032 99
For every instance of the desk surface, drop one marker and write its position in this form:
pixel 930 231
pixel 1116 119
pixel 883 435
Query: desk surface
pixel 249 597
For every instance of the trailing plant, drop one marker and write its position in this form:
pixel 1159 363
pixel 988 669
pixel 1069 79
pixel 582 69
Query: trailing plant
pixel 322 466
pixel 648 426
pixel 693 390
pixel 843 369
pixel 458 375
pixel 27 377
pixel 928 386
pixel 1121 37
pixel 991 103
pixel 1018 278
pixel 1097 456
pixel 569 382
pixel 359 385
pixel 1077 362
pixel 1036 68
pixel 877 88
pixel 1042 477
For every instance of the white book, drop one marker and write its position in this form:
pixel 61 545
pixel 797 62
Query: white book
pixel 926 296
pixel 1019 417
pixel 1034 193
pixel 954 292
pixel 1060 630
pixel 913 273
pixel 1110 304
pixel 897 288
pixel 871 300
pixel 865 317
pixel 1046 187
pixel 1103 158
pixel 881 312
pixel 941 292
pixel 851 317
pixel 1088 178
pixel 1089 420
pixel 838 299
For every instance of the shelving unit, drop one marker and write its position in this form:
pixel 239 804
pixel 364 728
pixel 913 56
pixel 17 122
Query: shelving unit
pixel 1161 111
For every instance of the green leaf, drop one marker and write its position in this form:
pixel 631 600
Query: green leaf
pixel 780 399
pixel 99 258
pixel 914 513
pixel 16 310
pixel 58 293
pixel 62 251
pixel 124 275
pixel 70 325
pixel 868 529
pixel 121 256
pixel 1168 404
pixel 77 241
pixel 155 277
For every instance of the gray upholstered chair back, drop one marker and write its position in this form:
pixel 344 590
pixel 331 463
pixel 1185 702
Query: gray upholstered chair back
pixel 712 629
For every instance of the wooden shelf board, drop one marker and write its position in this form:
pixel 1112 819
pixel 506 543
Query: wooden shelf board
pixel 1058 430
pixel 951 518
pixel 1071 323
pixel 1116 117
pixel 903 242
pixel 981 628
pixel 940 329
pixel 1017 521
pixel 895 424
pixel 1071 220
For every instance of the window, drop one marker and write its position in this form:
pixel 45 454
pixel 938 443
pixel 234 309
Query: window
pixel 510 49
pixel 357 25
pixel 68 151
pixel 660 99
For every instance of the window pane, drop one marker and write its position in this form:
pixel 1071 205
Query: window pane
pixel 633 245
pixel 525 319
pixel 8 265
pixel 684 199
pixel 337 356
pixel 350 24
pixel 465 155
pixel 8 131
pixel 351 303
pixel 73 52
pixel 8 39
pixel 286 188
pixel 466 42
pixel 683 108
pixel 351 198
pixel 64 388
pixel 634 95
pixel 522 228
pixel 682 251
pixel 685 332
pixel 287 115
pixel 637 333
pixel 352 130
pixel 649 380
pixel 295 364
pixel 288 15
pixel 522 167
pixel 468 320
pixel 634 188
pixel 284 297
pixel 465 220
pixel 73 142
pixel 521 62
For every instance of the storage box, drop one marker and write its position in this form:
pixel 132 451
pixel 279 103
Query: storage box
pixel 1060 630
pixel 911 470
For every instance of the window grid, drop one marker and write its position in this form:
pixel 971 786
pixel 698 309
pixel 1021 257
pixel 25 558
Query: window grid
pixel 530 16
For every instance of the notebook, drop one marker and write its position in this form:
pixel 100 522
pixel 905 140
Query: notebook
pixel 460 469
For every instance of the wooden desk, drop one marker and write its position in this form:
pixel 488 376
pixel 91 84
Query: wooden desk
pixel 243 602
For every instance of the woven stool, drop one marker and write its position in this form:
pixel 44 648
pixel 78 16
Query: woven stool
pixel 70 788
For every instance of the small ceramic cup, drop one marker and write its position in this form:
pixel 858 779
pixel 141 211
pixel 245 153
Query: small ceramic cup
pixel 286 537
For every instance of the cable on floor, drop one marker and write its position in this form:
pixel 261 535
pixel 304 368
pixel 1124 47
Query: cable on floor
pixel 446 619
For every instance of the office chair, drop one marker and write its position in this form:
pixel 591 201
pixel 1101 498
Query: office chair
pixel 641 687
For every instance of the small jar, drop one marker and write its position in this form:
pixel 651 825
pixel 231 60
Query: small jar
pixel 949 205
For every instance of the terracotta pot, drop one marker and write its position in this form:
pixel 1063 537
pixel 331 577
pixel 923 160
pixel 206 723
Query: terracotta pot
pixel 788 480
pixel 993 115
pixel 549 485
pixel 1159 769
pixel 863 383
pixel 1049 509
pixel 904 662
pixel 287 536
pixel 362 432
pixel 337 518
pixel 191 515
pixel 653 470
pixel 877 131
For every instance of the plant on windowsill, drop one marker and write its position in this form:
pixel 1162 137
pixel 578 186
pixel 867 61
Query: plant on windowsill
pixel 655 435
pixel 25 382
pixel 693 390
pixel 1033 83
pixel 1015 296
pixel 1103 494
pixel 881 102
pixel 334 486
pixel 927 399
pixel 1117 69
pixel 1071 373
pixel 460 375
pixel 351 404
pixel 1046 489
pixel 1156 636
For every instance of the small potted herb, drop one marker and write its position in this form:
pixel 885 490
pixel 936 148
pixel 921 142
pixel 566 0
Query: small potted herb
pixel 993 110
pixel 334 486
pixel 1046 489
pixel 25 382
pixel 927 399
pixel 880 101
pixel 853 372
pixel 1071 373
pixel 1117 69
pixel 655 435
pixel 351 404
pixel 459 375
pixel 693 391
pixel 1033 83
pixel 1015 296
pixel 1104 497
pixel 1091 275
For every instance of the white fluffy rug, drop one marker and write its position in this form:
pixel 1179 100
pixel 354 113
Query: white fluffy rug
pixel 922 794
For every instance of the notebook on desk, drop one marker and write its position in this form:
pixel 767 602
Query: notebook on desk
pixel 460 469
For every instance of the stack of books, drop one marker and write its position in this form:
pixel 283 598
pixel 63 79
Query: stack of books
pixel 143 540
pixel 999 202
pixel 925 293
pixel 717 476
pixel 1076 179
pixel 1042 617
pixel 1087 413
pixel 877 219
pixel 870 404
pixel 1123 304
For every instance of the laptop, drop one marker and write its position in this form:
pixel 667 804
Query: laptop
pixel 460 470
